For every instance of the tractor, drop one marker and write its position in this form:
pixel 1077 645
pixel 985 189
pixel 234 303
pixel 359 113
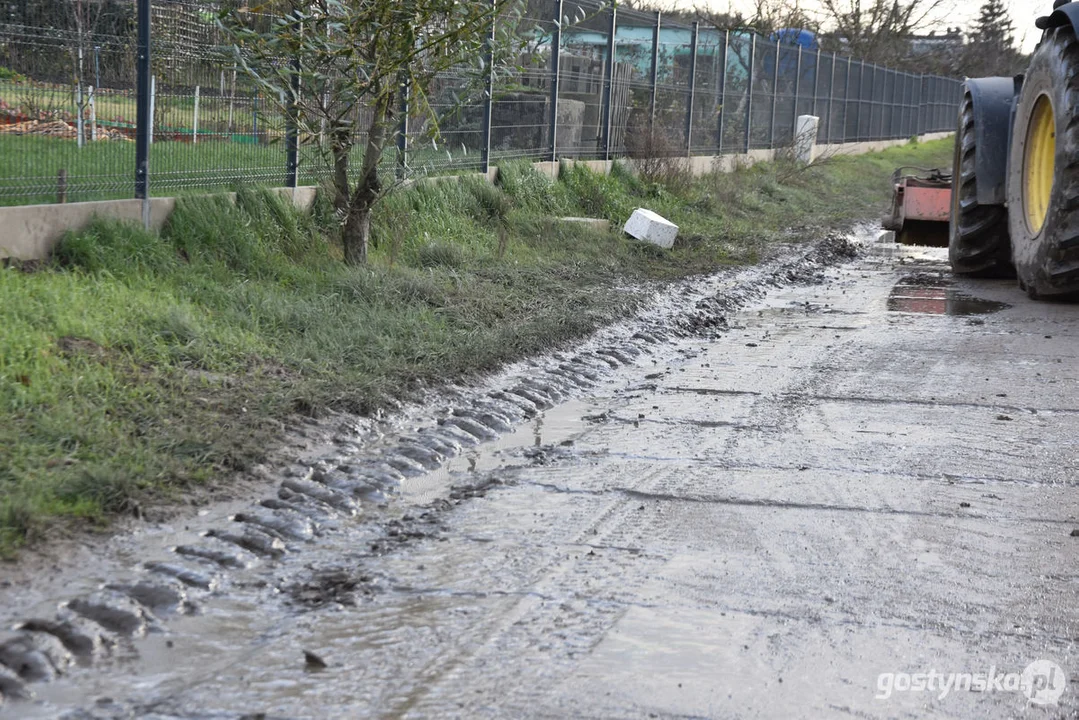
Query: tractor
pixel 1014 201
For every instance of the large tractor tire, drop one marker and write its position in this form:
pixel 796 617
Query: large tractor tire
pixel 978 242
pixel 1043 170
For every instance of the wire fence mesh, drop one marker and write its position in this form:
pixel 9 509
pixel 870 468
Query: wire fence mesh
pixel 586 81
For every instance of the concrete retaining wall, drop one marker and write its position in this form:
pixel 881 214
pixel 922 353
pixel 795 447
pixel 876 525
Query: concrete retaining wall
pixel 30 232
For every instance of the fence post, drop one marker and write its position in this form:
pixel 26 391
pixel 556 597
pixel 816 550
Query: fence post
pixel 402 127
pixel 292 132
pixel 80 121
pixel 91 99
pixel 608 83
pixel 930 114
pixel 816 84
pixel 871 130
pixel 692 87
pixel 846 99
pixel 901 82
pixel 921 104
pixel 831 103
pixel 940 105
pixel 654 73
pixel 861 99
pixel 488 95
pixel 775 98
pixel 915 95
pixel 884 95
pixel 797 92
pixel 195 119
pixel 749 93
pixel 721 93
pixel 556 54
pixel 142 109
pixel 914 90
pixel 899 91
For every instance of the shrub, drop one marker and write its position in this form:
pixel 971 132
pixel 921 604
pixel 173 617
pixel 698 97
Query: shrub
pixel 9 75
pixel 658 160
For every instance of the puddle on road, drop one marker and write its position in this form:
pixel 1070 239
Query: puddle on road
pixel 934 296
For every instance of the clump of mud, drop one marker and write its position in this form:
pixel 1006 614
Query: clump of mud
pixel 333 586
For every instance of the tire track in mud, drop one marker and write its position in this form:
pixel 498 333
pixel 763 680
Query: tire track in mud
pixel 771 414
pixel 331 495
pixel 535 623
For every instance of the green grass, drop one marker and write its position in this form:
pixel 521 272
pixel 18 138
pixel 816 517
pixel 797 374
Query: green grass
pixel 105 170
pixel 119 107
pixel 138 369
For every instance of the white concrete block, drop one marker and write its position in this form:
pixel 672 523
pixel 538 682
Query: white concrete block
pixel 649 227
pixel 805 138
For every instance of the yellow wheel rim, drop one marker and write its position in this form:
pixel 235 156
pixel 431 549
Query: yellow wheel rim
pixel 1039 164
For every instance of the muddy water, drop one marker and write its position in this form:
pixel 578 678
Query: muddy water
pixel 755 520
pixel 933 295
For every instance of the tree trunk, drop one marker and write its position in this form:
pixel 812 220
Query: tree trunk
pixel 341 148
pixel 357 231
pixel 356 234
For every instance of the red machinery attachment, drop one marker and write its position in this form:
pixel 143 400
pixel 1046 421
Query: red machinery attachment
pixel 921 206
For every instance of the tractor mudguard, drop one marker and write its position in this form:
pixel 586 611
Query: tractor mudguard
pixel 992 98
pixel 1063 14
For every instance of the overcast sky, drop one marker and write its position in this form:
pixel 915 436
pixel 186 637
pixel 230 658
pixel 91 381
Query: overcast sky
pixel 954 13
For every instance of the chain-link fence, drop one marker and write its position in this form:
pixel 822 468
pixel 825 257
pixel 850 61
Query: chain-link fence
pixel 587 81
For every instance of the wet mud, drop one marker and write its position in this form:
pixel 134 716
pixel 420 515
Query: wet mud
pixel 752 500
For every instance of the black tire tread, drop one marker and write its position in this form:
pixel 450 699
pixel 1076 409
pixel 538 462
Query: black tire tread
pixel 978 242
pixel 1053 269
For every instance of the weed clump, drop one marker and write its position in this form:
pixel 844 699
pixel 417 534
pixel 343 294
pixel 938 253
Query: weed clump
pixel 118 248
pixel 531 190
pixel 439 254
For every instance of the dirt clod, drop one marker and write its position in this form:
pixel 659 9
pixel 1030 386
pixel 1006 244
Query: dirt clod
pixel 313 662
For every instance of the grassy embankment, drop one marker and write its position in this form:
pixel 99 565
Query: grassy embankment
pixel 139 368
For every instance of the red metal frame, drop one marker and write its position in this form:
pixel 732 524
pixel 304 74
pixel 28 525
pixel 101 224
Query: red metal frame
pixel 924 198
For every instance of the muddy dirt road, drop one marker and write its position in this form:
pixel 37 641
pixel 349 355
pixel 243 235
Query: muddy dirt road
pixel 857 500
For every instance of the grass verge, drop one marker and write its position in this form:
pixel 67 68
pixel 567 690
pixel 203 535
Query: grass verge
pixel 138 368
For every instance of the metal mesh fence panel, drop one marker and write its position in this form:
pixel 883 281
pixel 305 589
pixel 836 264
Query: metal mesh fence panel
pixel 212 127
pixel 456 101
pixel 861 103
pixel 520 108
pixel 67 102
pixel 823 96
pixel 806 82
pixel 736 96
pixel 708 81
pixel 764 67
pixel 629 83
pixel 672 87
pixel 583 76
pixel 788 82
pixel 837 130
pixel 631 96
